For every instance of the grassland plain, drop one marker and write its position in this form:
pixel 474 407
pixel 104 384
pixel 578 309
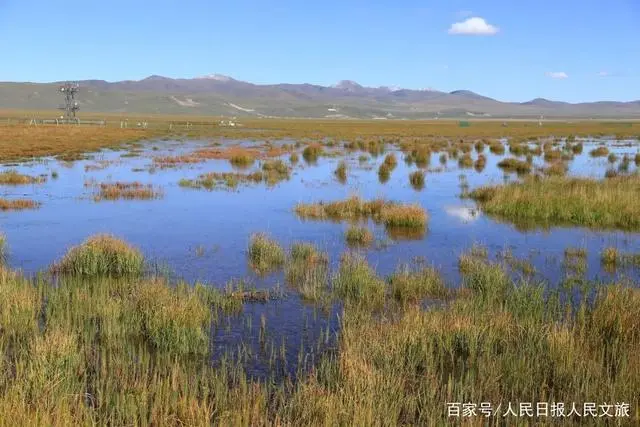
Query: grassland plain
pixel 19 140
pixel 136 350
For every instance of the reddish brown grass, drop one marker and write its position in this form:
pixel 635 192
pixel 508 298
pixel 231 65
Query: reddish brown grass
pixel 17 204
pixel 127 191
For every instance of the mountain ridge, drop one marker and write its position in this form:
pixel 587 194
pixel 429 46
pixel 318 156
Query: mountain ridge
pixel 218 94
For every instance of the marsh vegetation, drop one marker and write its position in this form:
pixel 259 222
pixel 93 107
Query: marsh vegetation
pixel 611 203
pixel 357 318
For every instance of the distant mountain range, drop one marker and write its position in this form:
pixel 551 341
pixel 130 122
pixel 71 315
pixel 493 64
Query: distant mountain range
pixel 222 95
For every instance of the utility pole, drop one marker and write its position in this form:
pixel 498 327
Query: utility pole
pixel 70 107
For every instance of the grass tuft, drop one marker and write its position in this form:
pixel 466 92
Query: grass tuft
pixel 390 161
pixel 416 179
pixel 265 254
pixel 601 151
pixel 341 172
pixel 358 236
pixel 466 161
pixel 412 285
pixel 384 173
pixel 307 270
pixel 101 255
pixel 356 282
pixel 311 153
pixel 17 204
pixel 127 191
pixel 515 165
pixel 389 213
pixel 13 177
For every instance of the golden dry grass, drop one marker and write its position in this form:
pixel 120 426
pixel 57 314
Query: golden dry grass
pixel 51 139
pixel 17 204
pixel 13 177
pixel 19 141
pixel 127 191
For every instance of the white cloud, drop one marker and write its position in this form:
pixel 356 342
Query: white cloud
pixel 558 75
pixel 604 74
pixel 473 26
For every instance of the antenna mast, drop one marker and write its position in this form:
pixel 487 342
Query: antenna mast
pixel 70 107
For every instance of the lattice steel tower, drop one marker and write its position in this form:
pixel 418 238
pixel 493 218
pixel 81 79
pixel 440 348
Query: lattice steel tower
pixel 70 107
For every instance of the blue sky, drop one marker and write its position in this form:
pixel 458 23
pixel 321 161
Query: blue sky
pixel 511 50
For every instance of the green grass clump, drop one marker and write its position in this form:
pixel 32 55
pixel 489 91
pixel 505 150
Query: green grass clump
pixel 479 146
pixel 413 284
pixel 610 257
pixel 101 255
pixel 356 282
pixel 307 270
pixel 274 171
pixel 637 159
pixel 215 180
pixel 265 254
pixel 389 213
pixel 13 177
pixel 390 161
pixel 465 148
pixel 480 163
pixel 612 158
pixel 311 153
pixel 518 149
pixel 514 165
pixel 624 164
pixel 341 172
pixel 294 158
pixel 556 169
pixel 352 208
pixel 421 156
pixel 601 151
pixel 443 159
pixel 358 236
pixel 404 216
pixel 466 161
pixel 241 159
pixel 610 203
pixel 575 253
pixel 497 148
pixel 416 179
pixel 173 320
pixel 553 155
pixel 384 173
pixel 577 148
pixel 276 166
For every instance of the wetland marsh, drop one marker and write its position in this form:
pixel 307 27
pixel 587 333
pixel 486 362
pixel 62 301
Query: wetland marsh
pixel 320 276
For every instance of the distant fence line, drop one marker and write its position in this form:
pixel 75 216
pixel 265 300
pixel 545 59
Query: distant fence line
pixel 171 125
pixel 57 122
